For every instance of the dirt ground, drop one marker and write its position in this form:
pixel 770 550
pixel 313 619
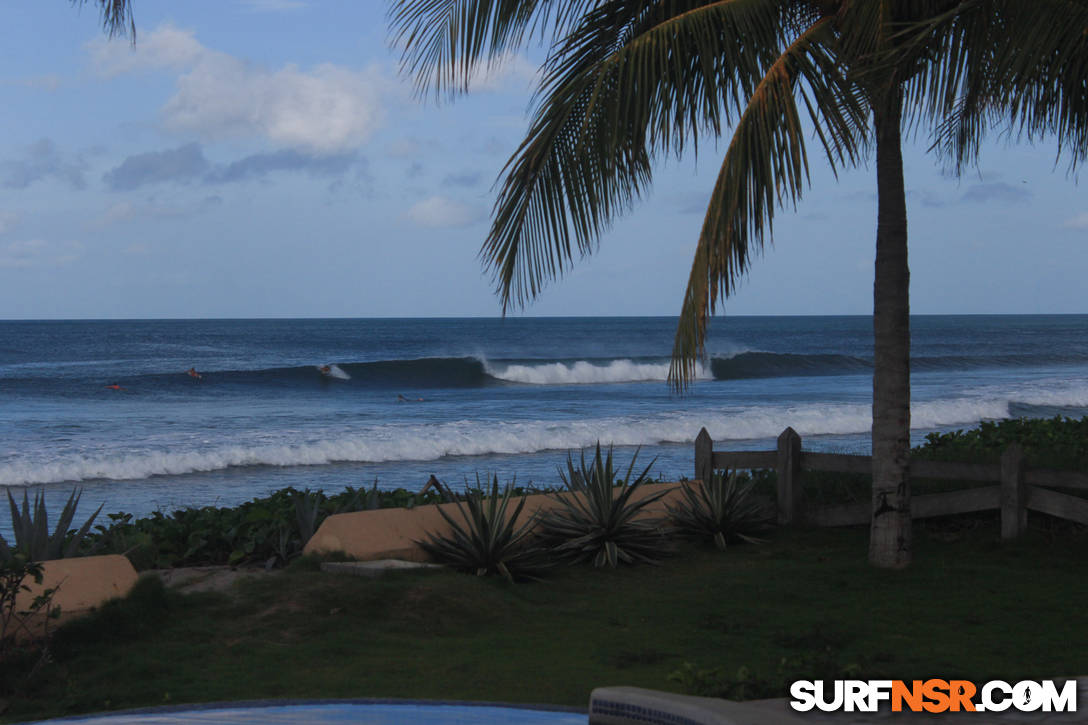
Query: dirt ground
pixel 206 578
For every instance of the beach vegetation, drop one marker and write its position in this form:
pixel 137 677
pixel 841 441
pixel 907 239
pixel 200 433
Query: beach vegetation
pixel 606 521
pixel 25 628
pixel 269 531
pixel 33 538
pixel 488 536
pixel 722 511
pixel 1058 443
pixel 804 595
pixel 611 99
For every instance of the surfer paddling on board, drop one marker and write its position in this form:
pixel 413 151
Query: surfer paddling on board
pixel 402 399
pixel 192 373
pixel 114 386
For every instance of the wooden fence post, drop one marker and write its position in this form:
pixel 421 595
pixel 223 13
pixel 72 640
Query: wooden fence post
pixel 1014 512
pixel 789 477
pixel 704 454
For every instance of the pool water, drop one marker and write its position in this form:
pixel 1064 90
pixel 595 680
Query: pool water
pixel 364 713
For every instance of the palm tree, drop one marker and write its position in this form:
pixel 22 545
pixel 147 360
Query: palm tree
pixel 625 82
pixel 116 16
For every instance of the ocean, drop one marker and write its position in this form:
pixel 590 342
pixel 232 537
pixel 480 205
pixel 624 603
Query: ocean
pixel 407 398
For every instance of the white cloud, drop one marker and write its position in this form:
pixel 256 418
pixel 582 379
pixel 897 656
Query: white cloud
pixel 325 109
pixel 8 221
pixel 126 211
pixel 273 6
pixel 49 82
pixel 28 253
pixel 166 47
pixel 410 147
pixel 1080 221
pixel 440 211
pixel 509 71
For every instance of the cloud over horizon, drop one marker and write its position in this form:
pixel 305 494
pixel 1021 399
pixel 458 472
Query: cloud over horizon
pixel 8 221
pixel 438 212
pixel 40 161
pixel 27 253
pixel 1080 221
pixel 996 191
pixel 325 110
pixel 187 163
pixel 260 165
pixel 184 163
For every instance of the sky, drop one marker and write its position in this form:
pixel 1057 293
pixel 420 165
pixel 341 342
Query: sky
pixel 267 158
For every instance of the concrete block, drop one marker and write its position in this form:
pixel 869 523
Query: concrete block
pixel 393 533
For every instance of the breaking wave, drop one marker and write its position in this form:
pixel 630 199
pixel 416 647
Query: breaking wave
pixel 418 442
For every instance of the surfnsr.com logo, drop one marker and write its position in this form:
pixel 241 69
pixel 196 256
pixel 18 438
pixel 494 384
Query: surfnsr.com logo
pixel 933 695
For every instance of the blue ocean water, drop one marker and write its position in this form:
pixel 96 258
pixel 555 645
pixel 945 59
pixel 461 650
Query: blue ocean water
pixel 407 398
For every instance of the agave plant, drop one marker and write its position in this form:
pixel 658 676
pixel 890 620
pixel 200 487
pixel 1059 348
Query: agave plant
pixel 603 521
pixel 721 511
pixel 488 539
pixel 31 527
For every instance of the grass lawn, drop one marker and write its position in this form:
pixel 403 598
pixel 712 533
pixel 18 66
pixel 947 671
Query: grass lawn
pixel 805 604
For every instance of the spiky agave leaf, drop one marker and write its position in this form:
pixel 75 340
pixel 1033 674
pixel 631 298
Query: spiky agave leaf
pixel 31 527
pixel 307 505
pixel 486 538
pixel 721 511
pixel 61 546
pixel 30 536
pixel 598 519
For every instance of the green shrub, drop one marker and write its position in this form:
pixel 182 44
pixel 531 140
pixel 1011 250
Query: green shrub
pixel 270 530
pixel 140 613
pixel 603 522
pixel 487 540
pixel 721 511
pixel 24 633
pixel 1057 442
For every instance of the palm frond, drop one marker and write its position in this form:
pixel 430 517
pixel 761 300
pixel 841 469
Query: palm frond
pixel 766 166
pixel 117 17
pixel 587 156
pixel 446 42
pixel 1014 66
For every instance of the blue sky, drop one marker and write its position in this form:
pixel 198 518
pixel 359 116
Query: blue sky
pixel 252 158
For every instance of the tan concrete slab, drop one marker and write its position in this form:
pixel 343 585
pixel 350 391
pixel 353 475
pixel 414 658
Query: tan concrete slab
pixel 393 533
pixel 83 582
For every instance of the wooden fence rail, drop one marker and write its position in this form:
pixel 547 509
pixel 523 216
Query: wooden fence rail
pixel 1016 491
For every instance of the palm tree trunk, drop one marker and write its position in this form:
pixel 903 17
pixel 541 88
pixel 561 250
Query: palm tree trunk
pixel 890 534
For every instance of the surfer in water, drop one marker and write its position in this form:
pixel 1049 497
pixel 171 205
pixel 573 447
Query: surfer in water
pixel 325 370
pixel 402 399
pixel 114 386
pixel 192 373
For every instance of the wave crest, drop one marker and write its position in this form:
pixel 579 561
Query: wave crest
pixel 582 372
pixel 408 442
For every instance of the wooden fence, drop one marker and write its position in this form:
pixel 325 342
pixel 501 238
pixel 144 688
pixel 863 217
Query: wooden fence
pixel 1017 489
